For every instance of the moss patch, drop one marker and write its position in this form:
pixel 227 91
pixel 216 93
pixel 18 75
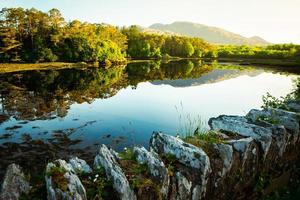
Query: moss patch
pixel 271 120
pixel 97 185
pixel 170 162
pixel 58 179
pixel 138 176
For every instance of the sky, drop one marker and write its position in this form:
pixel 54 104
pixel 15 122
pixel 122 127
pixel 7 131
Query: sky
pixel 277 21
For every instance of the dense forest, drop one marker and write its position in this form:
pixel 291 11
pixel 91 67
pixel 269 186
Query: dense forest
pixel 34 36
pixel 30 35
pixel 277 51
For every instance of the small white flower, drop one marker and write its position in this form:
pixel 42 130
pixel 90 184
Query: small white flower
pixel 95 180
pixel 125 149
pixel 97 176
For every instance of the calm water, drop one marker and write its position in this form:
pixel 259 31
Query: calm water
pixel 54 113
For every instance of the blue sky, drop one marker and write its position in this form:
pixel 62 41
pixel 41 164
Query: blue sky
pixel 275 20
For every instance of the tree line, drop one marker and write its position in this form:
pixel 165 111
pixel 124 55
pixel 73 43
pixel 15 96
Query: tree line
pixel 277 51
pixel 30 35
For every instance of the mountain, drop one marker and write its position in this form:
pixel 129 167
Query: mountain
pixel 208 33
pixel 214 76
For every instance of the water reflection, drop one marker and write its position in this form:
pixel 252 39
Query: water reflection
pixel 56 113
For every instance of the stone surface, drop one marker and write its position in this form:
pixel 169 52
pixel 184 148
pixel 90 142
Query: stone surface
pixel 156 167
pixel 225 152
pixel 243 127
pixel 243 146
pixel 80 166
pixel 73 190
pixel 14 183
pixel 113 171
pixel 184 186
pixel 289 120
pixel 185 153
pixel 294 106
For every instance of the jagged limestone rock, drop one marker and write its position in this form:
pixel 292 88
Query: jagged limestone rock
pixel 156 167
pixel 184 186
pixel 14 183
pixel 243 127
pixel 289 120
pixel 80 166
pixel 294 106
pixel 225 152
pixel 63 183
pixel 112 169
pixel 244 146
pixel 186 154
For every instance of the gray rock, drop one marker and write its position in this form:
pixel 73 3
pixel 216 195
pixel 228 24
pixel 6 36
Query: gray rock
pixel 185 153
pixel 226 153
pixel 285 127
pixel 184 186
pixel 108 161
pixel 243 146
pixel 243 127
pixel 294 106
pixel 289 120
pixel 73 190
pixel 14 183
pixel 79 165
pixel 156 167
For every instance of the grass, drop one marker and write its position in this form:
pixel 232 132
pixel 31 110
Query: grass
pixel 170 161
pixel 57 174
pixel 97 185
pixel 138 175
pixel 271 120
pixel 193 129
pixel 13 67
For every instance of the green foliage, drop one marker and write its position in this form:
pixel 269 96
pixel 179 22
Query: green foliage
pixel 279 51
pixel 34 36
pixel 57 174
pixel 270 101
pixel 271 120
pixel 97 185
pixel 189 125
pixel 144 45
pixel 137 174
pixel 261 183
pixel 170 161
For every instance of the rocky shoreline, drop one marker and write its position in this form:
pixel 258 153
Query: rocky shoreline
pixel 254 151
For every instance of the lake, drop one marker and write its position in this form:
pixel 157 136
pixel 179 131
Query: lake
pixel 55 113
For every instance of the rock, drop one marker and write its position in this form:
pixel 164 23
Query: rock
pixel 80 166
pixel 294 106
pixel 156 167
pixel 284 125
pixel 186 154
pixel 225 152
pixel 113 171
pixel 289 120
pixel 63 183
pixel 184 186
pixel 243 127
pixel 244 146
pixel 14 183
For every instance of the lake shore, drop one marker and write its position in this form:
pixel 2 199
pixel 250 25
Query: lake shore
pixel 14 67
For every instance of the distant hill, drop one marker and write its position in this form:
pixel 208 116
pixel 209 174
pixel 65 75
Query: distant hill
pixel 208 33
pixel 214 76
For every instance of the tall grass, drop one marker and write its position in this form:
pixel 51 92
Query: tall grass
pixel 193 129
pixel 189 125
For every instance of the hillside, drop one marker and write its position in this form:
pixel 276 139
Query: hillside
pixel 208 33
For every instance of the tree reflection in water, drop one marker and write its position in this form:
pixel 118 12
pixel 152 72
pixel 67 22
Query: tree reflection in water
pixel 45 95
